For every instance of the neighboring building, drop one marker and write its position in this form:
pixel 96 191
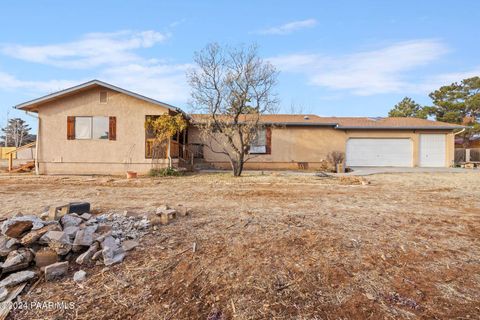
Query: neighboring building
pixel 97 128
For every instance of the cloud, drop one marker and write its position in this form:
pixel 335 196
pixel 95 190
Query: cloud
pixel 111 57
pixel 91 50
pixel 289 27
pixel 160 80
pixel 384 70
pixel 10 82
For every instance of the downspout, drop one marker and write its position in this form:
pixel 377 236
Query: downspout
pixel 37 171
pixel 459 131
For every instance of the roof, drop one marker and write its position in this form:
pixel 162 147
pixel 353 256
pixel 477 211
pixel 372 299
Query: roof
pixel 346 123
pixel 282 119
pixel 32 104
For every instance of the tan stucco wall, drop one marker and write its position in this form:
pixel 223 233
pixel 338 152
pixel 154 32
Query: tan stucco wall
pixel 291 145
pixel 59 155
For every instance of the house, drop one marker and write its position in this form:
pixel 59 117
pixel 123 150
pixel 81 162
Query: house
pixel 98 128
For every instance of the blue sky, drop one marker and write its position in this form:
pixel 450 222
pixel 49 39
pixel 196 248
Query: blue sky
pixel 344 58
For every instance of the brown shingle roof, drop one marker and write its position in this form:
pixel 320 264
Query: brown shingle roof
pixel 350 122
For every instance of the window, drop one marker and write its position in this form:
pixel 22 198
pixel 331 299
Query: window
pixel 259 143
pixel 92 128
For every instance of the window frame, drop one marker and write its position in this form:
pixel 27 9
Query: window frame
pixel 107 118
pixel 265 131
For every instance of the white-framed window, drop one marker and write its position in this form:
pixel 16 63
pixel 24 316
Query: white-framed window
pixel 91 128
pixel 259 143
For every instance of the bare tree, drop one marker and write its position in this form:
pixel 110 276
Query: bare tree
pixel 231 88
pixel 16 133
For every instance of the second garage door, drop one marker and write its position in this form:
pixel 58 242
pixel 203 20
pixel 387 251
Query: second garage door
pixel 379 152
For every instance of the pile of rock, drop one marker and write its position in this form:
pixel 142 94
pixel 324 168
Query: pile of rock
pixel 60 236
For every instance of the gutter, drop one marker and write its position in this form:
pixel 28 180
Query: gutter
pixel 399 128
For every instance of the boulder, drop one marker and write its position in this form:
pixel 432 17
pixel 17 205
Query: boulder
pixel 45 257
pixel 128 245
pixel 87 255
pixel 56 270
pixel 57 236
pixel 86 216
pixel 112 253
pixel 79 276
pixel 34 235
pixel 84 237
pixel 16 278
pixel 70 220
pixel 5 246
pixel 112 256
pixel 58 241
pixel 71 232
pixel 3 293
pixel 17 260
pixel 17 226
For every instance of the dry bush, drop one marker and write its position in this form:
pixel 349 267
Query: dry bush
pixel 335 157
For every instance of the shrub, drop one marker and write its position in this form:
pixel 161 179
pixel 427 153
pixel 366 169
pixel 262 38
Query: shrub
pixel 335 157
pixel 164 172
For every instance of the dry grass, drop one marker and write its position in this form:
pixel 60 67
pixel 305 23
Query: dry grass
pixel 279 247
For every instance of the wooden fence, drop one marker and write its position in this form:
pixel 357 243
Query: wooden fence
pixel 467 155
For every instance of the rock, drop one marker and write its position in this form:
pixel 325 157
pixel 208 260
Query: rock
pixel 87 255
pixel 183 211
pixel 112 252
pixel 34 235
pixel 44 216
pixel 57 236
pixel 162 209
pixel 5 248
pixel 86 216
pixel 15 227
pixel 3 293
pixel 104 228
pixel 55 212
pixel 12 243
pixel 58 241
pixel 97 255
pixel 142 224
pixel 111 256
pixel 45 257
pixel 79 276
pixel 56 270
pixel 84 237
pixel 70 220
pixel 17 277
pixel 71 232
pixel 128 245
pixel 17 260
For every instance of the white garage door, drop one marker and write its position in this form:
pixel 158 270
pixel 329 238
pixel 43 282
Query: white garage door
pixel 432 150
pixel 379 153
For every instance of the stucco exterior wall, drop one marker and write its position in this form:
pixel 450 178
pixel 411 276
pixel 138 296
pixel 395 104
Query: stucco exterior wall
pixel 291 145
pixel 57 155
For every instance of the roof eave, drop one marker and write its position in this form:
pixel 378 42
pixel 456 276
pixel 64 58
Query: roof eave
pixel 401 128
pixel 24 106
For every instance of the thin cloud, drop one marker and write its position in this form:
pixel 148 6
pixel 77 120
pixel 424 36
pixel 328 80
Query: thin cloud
pixel 112 57
pixel 91 50
pixel 289 27
pixel 384 70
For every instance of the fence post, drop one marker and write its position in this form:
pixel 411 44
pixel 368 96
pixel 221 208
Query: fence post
pixel 467 155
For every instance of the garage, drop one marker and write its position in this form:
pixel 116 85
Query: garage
pixel 379 152
pixel 432 150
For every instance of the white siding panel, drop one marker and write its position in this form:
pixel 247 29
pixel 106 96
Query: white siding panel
pixel 373 152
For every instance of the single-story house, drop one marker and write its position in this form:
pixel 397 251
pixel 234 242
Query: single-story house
pixel 98 128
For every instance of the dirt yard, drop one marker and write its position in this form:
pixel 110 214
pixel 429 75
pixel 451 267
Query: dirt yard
pixel 405 246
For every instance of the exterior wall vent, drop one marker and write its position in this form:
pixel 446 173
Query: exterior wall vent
pixel 306 117
pixel 103 96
